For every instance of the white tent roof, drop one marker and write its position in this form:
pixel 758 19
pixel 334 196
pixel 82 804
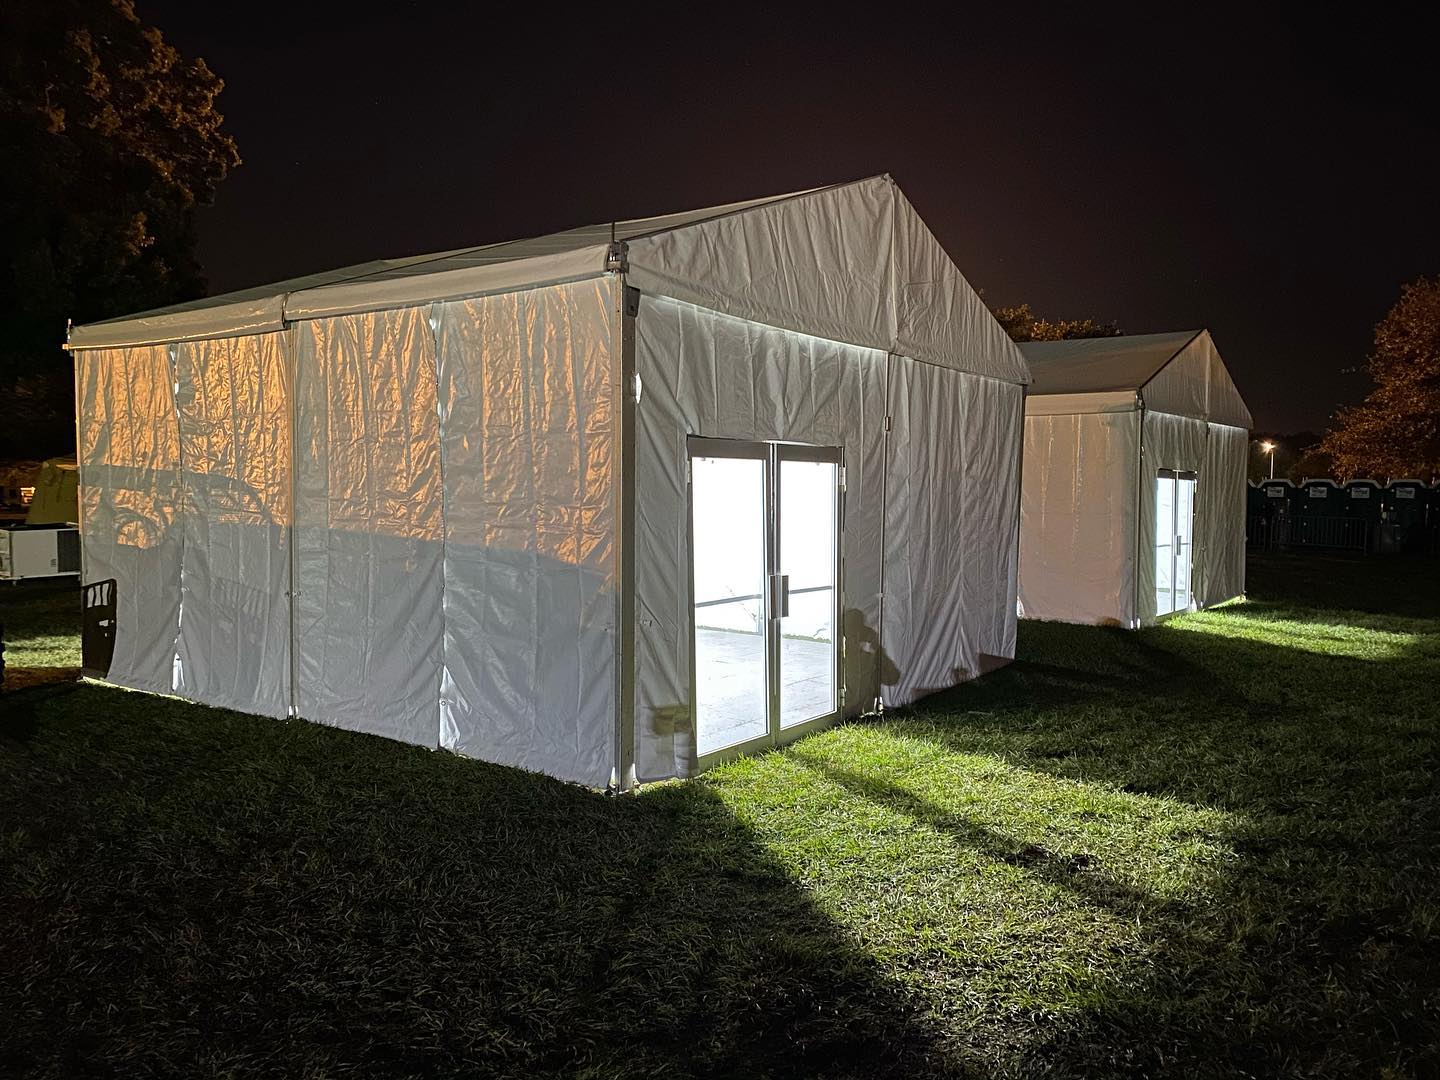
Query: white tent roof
pixel 850 262
pixel 1179 373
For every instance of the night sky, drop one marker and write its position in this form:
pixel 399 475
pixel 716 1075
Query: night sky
pixel 1272 180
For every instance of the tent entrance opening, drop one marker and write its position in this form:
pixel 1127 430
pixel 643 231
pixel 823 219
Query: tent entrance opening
pixel 765 595
pixel 1174 539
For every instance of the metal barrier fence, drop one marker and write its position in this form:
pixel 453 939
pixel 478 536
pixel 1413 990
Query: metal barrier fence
pixel 1334 533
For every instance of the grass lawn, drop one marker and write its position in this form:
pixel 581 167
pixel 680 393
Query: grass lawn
pixel 1210 848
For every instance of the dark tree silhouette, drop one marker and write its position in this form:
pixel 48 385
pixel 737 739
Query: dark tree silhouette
pixel 1024 325
pixel 110 140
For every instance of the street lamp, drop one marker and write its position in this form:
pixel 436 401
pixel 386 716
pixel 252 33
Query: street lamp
pixel 1269 447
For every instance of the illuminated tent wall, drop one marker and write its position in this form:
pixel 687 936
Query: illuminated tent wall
pixel 442 499
pixel 1104 415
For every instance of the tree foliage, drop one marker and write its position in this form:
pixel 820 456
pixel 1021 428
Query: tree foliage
pixel 1024 325
pixel 1395 432
pixel 110 140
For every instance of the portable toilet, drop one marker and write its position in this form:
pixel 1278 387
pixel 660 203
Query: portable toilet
pixel 1270 513
pixel 1432 519
pixel 1406 509
pixel 1278 495
pixel 1254 498
pixel 1318 497
pixel 1362 498
pixel 1318 517
pixel 1359 502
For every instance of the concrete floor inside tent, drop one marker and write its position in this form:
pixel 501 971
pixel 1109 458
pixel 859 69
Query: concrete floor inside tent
pixel 730 684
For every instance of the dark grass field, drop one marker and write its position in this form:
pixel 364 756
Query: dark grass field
pixel 1207 849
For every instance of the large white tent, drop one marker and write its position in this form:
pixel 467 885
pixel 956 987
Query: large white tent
pixel 525 501
pixel 1133 499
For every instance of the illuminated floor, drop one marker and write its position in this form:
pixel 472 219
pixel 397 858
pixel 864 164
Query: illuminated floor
pixel 730 690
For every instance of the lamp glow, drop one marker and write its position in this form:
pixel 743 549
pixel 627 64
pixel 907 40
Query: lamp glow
pixel 1269 447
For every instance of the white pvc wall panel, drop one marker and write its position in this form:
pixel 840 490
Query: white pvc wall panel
pixel 852 263
pixel 1105 401
pixel 129 455
pixel 1225 405
pixel 527 383
pixel 233 404
pixel 939 318
pixel 1078 518
pixel 713 375
pixel 369 529
pixel 991 469
pixel 818 263
pixel 951 527
pixel 1181 387
pixel 1220 532
pixel 1196 384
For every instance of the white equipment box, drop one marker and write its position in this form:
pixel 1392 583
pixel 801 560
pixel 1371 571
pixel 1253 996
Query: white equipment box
pixel 28 551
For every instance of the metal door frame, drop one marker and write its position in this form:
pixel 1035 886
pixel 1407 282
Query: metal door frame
pixel 1176 475
pixel 770 454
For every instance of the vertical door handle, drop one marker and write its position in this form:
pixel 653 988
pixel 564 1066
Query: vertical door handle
pixel 779 596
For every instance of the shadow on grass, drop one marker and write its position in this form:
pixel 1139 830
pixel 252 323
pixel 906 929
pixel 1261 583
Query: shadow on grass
pixel 1078 872
pixel 1318 953
pixel 190 892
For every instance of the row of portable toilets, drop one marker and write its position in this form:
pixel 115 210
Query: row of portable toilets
pixel 1362 515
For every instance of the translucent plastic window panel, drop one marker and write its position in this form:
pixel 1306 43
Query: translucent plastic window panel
pixel 1164 545
pixel 808 557
pixel 1184 540
pixel 728 518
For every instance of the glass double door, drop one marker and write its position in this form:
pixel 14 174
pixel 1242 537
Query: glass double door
pixel 764 587
pixel 1174 539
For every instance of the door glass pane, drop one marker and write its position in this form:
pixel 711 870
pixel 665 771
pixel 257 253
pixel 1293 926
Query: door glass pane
pixel 1164 545
pixel 1184 543
pixel 728 513
pixel 808 557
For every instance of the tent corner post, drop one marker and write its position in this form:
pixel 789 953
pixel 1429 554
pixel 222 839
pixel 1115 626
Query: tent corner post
pixel 885 465
pixel 290 347
pixel 626 309
pixel 1140 489
pixel 79 459
pixel 1014 597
